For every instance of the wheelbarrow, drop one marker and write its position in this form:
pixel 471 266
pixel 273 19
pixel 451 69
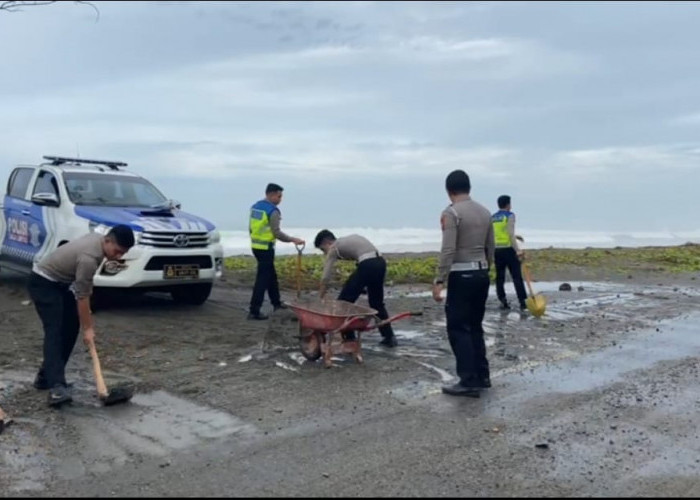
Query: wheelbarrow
pixel 323 323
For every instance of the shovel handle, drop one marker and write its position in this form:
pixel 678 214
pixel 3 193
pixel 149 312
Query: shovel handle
pixel 101 387
pixel 526 272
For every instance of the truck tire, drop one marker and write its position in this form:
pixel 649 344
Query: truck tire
pixel 195 295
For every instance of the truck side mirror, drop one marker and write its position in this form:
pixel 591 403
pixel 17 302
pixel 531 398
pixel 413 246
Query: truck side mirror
pixel 45 199
pixel 175 204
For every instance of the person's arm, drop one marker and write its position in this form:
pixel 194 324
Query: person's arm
pixel 448 221
pixel 328 266
pixel 511 233
pixel 275 219
pixel 490 246
pixel 84 275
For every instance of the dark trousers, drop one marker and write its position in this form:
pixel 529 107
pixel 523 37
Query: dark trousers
pixel 506 258
pixel 58 311
pixel 466 302
pixel 265 280
pixel 369 273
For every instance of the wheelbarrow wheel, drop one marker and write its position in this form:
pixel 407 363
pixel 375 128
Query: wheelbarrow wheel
pixel 310 343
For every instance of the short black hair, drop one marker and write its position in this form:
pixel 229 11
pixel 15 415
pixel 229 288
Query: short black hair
pixel 122 236
pixel 322 236
pixel 457 182
pixel 273 188
pixel 503 201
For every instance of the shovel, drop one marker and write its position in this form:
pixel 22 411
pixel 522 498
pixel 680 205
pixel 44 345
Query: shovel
pixel 300 248
pixel 536 303
pixel 115 395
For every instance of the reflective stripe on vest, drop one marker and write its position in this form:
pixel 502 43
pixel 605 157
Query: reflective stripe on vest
pixel 261 236
pixel 500 229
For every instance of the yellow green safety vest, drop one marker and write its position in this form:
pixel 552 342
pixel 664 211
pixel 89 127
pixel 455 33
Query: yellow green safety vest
pixel 261 237
pixel 500 229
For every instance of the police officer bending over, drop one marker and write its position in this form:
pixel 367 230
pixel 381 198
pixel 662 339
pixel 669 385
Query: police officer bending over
pixel 55 299
pixel 370 273
pixel 466 255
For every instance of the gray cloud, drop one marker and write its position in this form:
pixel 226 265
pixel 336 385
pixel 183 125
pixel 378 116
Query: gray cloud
pixel 370 101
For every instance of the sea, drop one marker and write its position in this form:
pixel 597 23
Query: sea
pixel 415 240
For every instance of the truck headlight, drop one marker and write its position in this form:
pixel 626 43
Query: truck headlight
pixel 214 236
pixel 113 267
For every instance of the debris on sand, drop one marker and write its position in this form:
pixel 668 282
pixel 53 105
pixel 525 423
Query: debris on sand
pixel 565 287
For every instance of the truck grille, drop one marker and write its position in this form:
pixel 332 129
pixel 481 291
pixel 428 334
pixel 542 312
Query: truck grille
pixel 174 240
pixel 157 263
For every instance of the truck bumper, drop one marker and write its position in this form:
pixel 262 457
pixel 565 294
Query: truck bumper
pixel 144 267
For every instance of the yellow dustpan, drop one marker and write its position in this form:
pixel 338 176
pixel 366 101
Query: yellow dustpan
pixel 536 303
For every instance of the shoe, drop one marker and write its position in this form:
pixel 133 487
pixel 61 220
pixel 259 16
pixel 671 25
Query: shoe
pixel 389 341
pixel 40 383
pixel 504 305
pixel 258 316
pixel 523 306
pixel 59 395
pixel 486 382
pixel 281 306
pixel 459 390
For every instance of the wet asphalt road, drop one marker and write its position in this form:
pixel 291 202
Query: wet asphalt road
pixel 616 421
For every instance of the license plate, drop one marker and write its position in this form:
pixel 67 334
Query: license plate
pixel 180 271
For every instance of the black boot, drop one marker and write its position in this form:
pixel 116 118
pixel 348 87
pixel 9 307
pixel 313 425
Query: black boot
pixel 504 304
pixel 460 390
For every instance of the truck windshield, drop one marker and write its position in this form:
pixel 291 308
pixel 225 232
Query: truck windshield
pixel 111 190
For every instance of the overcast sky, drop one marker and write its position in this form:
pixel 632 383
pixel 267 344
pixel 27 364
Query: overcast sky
pixel 586 113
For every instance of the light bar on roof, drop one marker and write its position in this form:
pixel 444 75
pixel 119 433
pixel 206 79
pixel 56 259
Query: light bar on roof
pixel 59 160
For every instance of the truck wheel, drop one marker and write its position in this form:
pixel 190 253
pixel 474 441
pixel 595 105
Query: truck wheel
pixel 191 294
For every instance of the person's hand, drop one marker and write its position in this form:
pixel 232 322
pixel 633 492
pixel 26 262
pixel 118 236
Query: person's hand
pixel 298 241
pixel 437 292
pixel 89 336
pixel 521 255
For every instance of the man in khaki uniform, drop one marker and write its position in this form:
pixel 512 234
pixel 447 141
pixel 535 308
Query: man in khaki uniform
pixel 65 309
pixel 466 255
pixel 369 273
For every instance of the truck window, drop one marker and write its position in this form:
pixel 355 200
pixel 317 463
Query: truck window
pixel 19 182
pixel 111 190
pixel 46 183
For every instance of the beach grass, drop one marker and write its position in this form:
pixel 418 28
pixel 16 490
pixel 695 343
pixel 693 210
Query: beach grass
pixel 419 268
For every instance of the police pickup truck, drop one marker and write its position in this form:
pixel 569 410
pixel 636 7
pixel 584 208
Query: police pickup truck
pixel 50 204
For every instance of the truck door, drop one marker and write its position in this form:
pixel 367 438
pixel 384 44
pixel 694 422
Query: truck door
pixel 21 240
pixel 43 213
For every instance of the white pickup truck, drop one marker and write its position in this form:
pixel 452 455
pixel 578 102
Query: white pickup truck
pixel 49 204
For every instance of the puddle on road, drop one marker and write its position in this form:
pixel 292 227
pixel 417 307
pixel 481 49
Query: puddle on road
pixel 153 424
pixel 540 286
pixel 676 339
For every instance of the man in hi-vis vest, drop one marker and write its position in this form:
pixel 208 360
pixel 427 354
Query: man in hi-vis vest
pixel 264 230
pixel 508 254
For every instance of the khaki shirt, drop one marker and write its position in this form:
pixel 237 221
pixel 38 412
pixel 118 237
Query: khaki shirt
pixel 275 219
pixel 350 247
pixel 75 262
pixel 467 235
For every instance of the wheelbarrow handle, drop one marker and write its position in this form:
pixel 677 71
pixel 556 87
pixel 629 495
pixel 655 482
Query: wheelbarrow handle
pixel 398 317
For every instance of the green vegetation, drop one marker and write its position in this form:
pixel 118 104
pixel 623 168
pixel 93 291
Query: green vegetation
pixel 420 268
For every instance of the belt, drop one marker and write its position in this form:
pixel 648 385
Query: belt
pixel 469 266
pixel 368 255
pixel 36 270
